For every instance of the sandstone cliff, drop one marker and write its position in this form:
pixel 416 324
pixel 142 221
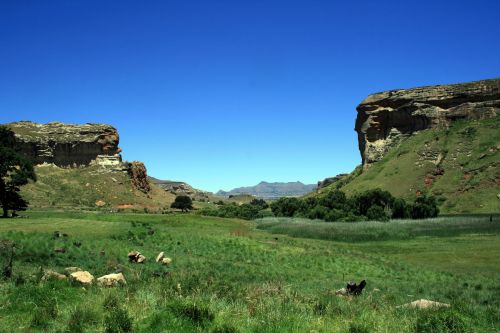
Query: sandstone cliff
pixel 64 144
pixel 385 119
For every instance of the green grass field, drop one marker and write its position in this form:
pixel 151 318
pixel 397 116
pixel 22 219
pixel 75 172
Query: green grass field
pixel 266 276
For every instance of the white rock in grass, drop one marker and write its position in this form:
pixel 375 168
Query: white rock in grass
pixel 166 261
pixel 82 277
pixel 160 256
pixel 425 304
pixel 141 259
pixel 111 280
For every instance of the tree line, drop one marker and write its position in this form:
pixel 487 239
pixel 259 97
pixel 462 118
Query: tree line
pixel 15 171
pixel 370 205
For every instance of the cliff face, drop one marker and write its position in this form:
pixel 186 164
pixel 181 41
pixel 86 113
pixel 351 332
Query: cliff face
pixel 64 144
pixel 385 119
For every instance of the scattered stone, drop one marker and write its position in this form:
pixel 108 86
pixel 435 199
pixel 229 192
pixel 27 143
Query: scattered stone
pixel 111 280
pixel 160 256
pixel 136 256
pixel 342 292
pixel 57 234
pixel 77 244
pixel 166 261
pixel 50 274
pixel 82 277
pixel 60 250
pixel 425 304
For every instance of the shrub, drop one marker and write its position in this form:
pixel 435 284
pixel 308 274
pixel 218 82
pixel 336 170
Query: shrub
pixel 260 203
pixel 400 209
pixel 424 207
pixel 182 202
pixel 318 212
pixel 334 199
pixel 376 213
pixel 286 207
pixel 361 202
pixel 335 215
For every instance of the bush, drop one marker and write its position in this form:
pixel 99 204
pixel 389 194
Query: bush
pixel 318 212
pixel 424 207
pixel 286 207
pixel 182 202
pixel 376 213
pixel 260 203
pixel 400 209
pixel 361 202
pixel 245 211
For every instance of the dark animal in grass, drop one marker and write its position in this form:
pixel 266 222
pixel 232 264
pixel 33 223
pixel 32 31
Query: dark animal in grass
pixel 354 289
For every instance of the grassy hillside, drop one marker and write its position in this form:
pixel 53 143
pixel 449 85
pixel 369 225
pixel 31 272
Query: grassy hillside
pixel 228 277
pixel 83 187
pixel 460 165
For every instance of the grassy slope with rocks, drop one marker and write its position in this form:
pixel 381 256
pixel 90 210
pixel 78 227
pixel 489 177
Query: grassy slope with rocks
pixel 226 276
pixel 83 187
pixel 465 179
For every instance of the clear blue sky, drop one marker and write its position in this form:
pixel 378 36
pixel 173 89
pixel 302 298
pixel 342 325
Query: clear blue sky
pixel 228 93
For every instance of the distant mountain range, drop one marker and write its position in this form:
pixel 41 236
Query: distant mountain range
pixel 267 190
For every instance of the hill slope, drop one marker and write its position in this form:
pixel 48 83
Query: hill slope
pixel 460 165
pixel 91 187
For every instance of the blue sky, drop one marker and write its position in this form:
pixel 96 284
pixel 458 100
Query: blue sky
pixel 223 94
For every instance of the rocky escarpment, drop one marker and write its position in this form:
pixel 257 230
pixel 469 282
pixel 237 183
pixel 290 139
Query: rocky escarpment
pixel 64 144
pixel 385 119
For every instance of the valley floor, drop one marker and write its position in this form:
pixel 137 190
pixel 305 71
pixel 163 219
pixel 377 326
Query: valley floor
pixel 235 276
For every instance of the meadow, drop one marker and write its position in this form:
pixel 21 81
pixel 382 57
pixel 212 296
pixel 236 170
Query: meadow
pixel 271 275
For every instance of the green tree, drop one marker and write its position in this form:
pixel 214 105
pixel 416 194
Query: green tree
pixel 400 209
pixel 424 207
pixel 182 202
pixel 376 213
pixel 260 203
pixel 286 207
pixel 15 171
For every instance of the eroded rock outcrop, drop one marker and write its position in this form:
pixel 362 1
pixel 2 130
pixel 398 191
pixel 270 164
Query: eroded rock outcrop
pixel 65 144
pixel 139 176
pixel 385 119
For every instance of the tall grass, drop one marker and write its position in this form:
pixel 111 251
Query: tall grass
pixel 380 231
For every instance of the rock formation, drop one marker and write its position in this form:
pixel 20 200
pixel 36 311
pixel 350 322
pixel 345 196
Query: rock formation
pixel 65 144
pixel 139 176
pixel 385 119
